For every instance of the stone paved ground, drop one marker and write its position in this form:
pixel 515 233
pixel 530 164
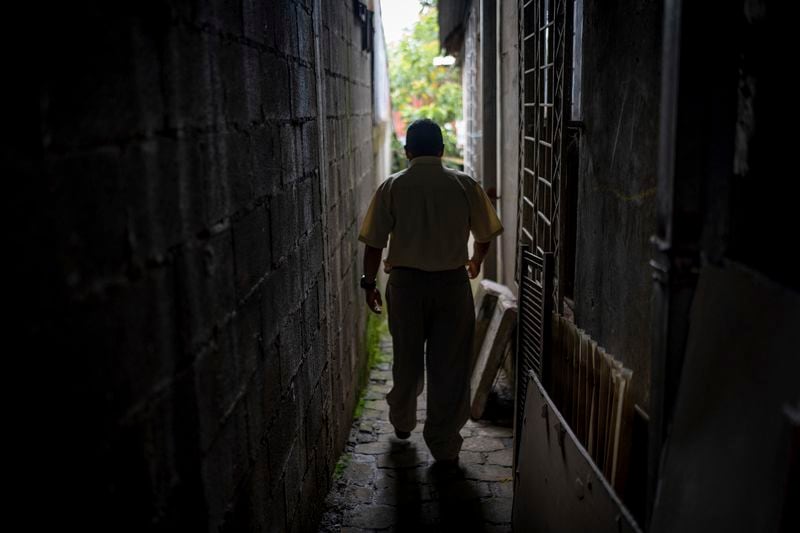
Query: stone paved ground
pixel 389 484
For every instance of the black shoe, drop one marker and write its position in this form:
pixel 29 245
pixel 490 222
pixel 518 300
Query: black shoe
pixel 403 435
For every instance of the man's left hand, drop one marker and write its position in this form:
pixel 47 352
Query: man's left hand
pixel 374 301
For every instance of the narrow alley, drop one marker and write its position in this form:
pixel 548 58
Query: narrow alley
pixel 193 290
pixel 392 484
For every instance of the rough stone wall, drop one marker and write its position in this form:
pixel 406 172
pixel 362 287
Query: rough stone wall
pixel 191 256
pixel 617 184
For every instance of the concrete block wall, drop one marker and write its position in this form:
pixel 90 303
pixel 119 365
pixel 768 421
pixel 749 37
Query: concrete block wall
pixel 189 234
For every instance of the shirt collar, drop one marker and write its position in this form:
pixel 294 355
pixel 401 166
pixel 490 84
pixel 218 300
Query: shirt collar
pixel 426 160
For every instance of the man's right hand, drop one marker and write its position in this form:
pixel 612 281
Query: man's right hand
pixel 374 301
pixel 473 268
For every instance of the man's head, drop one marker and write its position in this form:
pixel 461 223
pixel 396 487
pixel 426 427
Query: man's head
pixel 424 137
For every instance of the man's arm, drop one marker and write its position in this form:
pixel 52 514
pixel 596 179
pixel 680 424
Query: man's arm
pixel 479 251
pixel 372 260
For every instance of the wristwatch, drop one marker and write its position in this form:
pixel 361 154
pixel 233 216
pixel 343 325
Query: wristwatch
pixel 367 285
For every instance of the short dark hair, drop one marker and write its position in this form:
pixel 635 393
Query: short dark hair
pixel 424 137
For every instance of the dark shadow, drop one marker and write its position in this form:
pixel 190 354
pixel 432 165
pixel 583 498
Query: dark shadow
pixel 428 497
pixel 458 499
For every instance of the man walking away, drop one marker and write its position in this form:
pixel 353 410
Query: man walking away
pixel 429 212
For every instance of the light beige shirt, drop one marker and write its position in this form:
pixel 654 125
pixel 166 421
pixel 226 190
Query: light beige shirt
pixel 429 211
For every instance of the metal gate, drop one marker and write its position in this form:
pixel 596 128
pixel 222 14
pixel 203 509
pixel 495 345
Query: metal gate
pixel 543 59
pixel 543 31
pixel 533 326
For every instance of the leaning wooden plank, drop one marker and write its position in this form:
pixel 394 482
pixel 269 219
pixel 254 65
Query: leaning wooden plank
pixel 602 409
pixel 592 429
pixel 490 357
pixel 587 401
pixel 485 301
pixel 578 426
pixel 574 340
pixel 621 390
pixel 554 378
pixel 625 433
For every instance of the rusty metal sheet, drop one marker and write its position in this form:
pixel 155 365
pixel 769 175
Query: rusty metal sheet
pixel 557 487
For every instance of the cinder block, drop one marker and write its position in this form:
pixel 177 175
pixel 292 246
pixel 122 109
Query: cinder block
pixel 137 327
pixel 284 223
pixel 206 291
pixel 247 325
pixel 276 511
pixel 275 89
pixel 187 78
pixel 251 240
pixel 280 26
pixel 102 85
pixel 291 348
pixel 282 433
pixel 310 143
pixel 266 160
pixel 230 58
pixel 86 188
pixel 305 34
pixel 291 162
pixel 238 170
pixel 254 15
pixel 303 91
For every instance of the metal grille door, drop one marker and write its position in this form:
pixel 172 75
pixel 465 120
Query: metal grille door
pixel 533 328
pixel 544 30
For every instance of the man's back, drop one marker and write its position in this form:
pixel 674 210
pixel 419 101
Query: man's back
pixel 430 211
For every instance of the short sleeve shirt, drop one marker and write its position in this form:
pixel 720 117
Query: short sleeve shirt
pixel 429 211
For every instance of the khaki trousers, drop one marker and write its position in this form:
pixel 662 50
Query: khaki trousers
pixel 432 322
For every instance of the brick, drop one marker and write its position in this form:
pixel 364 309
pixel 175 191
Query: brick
pixel 251 240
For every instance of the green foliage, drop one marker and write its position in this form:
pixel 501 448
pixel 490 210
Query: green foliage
pixel 377 327
pixel 341 465
pixel 420 89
